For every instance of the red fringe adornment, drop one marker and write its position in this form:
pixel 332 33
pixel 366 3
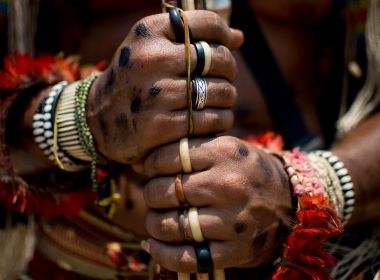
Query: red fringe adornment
pixel 21 72
pixel 304 257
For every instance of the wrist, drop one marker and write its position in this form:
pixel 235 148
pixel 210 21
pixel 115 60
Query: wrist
pixel 95 106
pixel 290 198
pixel 317 221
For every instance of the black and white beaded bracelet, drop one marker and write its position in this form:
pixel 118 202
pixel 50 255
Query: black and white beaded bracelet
pixel 43 126
pixel 345 182
pixel 43 120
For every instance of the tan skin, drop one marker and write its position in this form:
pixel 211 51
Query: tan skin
pixel 127 114
pixel 242 195
pixel 255 199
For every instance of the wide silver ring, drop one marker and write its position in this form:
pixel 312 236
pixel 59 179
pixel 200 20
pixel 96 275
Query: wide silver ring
pixel 200 91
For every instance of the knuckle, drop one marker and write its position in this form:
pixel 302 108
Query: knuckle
pixel 184 262
pixel 216 21
pixel 153 54
pixel 159 227
pixel 165 230
pixel 152 23
pixel 173 87
pixel 226 144
pixel 234 180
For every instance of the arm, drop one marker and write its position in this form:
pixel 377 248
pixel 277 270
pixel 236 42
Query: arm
pixel 360 152
pixel 129 105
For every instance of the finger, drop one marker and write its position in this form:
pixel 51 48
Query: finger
pixel 173 95
pixel 166 160
pixel 174 126
pixel 215 225
pixel 205 26
pixel 171 59
pixel 238 38
pixel 210 27
pixel 160 193
pixel 223 64
pixel 182 258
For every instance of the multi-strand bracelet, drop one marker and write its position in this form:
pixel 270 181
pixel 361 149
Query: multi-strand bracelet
pixel 329 181
pixel 343 185
pixel 61 130
pixel 44 130
pixel 317 221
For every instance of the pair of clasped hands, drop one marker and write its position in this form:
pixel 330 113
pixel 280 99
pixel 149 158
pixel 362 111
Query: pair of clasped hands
pixel 138 112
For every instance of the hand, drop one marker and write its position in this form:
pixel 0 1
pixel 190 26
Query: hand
pixel 140 102
pixel 243 199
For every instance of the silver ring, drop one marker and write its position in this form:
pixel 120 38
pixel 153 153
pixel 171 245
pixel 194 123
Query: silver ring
pixel 199 93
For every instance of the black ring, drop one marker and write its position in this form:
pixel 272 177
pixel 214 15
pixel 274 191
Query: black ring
pixel 201 58
pixel 176 20
pixel 204 260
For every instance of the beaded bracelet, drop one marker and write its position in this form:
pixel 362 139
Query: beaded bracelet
pixel 317 221
pixel 68 136
pixel 44 129
pixel 86 138
pixel 329 180
pixel 345 181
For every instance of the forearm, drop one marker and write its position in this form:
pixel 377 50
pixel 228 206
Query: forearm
pixel 360 152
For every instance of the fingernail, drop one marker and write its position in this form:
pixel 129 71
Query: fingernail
pixel 146 246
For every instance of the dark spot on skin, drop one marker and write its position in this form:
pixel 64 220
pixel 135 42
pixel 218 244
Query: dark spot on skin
pixel 141 30
pixel 129 204
pixel 240 227
pixel 259 242
pixel 110 78
pixel 104 127
pixel 136 105
pixel 140 90
pixel 243 150
pixel 121 120
pixel 154 91
pixel 134 123
pixel 265 166
pixel 125 53
pixel 130 159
